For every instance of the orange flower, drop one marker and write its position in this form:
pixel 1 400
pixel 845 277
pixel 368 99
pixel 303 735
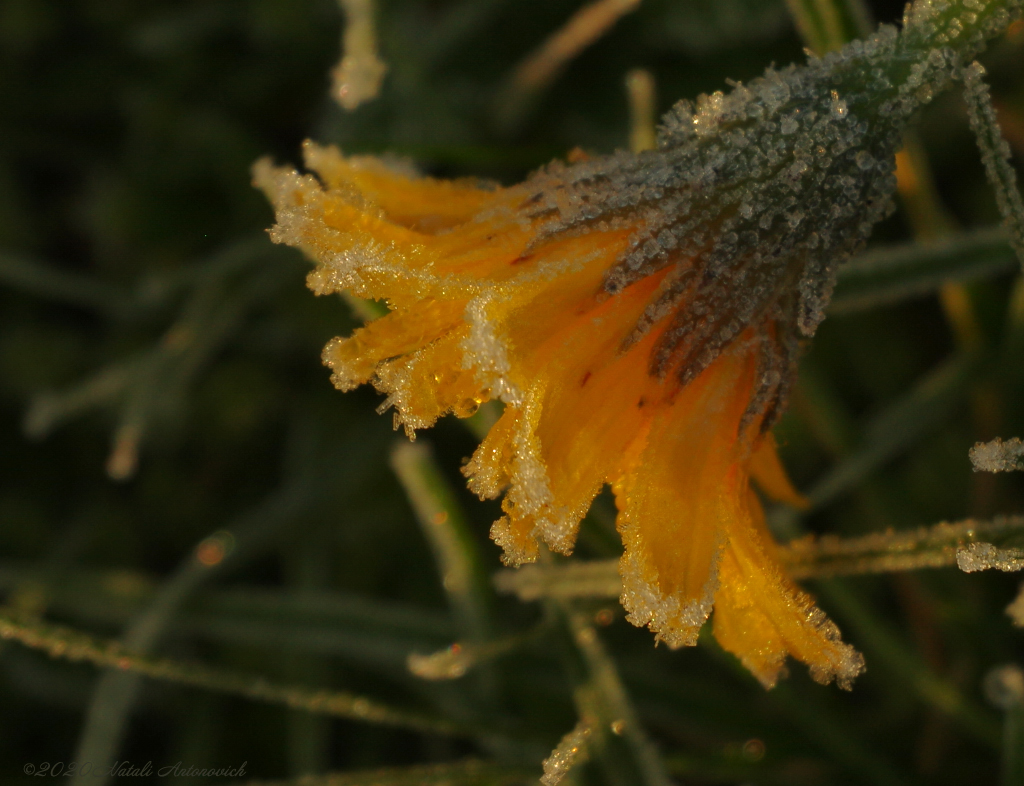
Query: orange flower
pixel 638 316
pixel 486 302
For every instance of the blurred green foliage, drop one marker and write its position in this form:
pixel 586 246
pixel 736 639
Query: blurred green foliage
pixel 144 315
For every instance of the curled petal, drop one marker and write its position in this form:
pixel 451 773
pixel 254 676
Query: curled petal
pixel 761 617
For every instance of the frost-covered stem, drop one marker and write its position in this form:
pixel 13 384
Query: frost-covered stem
pixel 357 78
pixel 806 558
pixel 640 91
pixel 72 645
pixel 462 574
pixel 998 456
pixel 915 183
pixel 619 715
pixel 995 155
pixel 965 26
pixel 937 35
pixel 880 642
pixel 571 752
pixel 618 740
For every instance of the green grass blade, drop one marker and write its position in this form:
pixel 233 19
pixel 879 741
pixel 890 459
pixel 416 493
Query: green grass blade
pixel 891 274
pixel 62 642
pixel 619 741
pixel 900 426
pixel 63 286
pixel 115 692
pixel 445 526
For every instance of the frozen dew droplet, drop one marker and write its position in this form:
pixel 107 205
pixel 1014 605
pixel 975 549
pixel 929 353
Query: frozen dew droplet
pixel 357 78
pixel 985 556
pixel 839 108
pixel 569 753
pixel 997 455
pixel 447 664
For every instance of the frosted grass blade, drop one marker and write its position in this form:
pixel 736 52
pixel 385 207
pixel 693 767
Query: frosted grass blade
pixel 891 274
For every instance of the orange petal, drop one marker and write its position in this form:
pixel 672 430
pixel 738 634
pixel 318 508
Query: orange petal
pixel 679 498
pixel 431 382
pixel 761 616
pixel 420 203
pixel 355 359
pixel 515 535
pixel 576 414
pixel 770 476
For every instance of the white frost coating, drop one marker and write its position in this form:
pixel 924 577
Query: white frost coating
pixel 342 376
pixel 675 623
pixel 530 492
pixel 576 579
pixel 484 351
pixel 848 663
pixel 998 456
pixel 346 260
pixel 570 752
pixel 984 556
pixel 447 664
pixel 514 553
pixel 357 78
pixel 995 155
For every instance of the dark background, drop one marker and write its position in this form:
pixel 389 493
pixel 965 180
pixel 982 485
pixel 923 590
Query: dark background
pixel 141 305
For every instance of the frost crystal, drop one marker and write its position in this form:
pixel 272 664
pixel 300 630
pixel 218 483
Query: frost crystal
pixel 998 456
pixel 995 154
pixel 358 76
pixel 571 751
pixel 447 664
pixel 984 556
